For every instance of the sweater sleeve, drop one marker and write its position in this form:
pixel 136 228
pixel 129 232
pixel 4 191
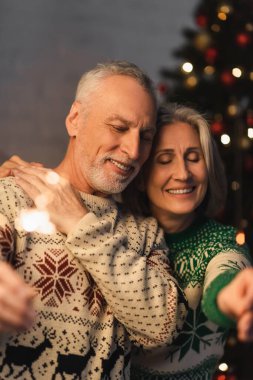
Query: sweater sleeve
pixel 219 272
pixel 139 289
pixel 7 216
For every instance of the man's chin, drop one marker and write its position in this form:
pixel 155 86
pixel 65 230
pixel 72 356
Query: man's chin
pixel 115 188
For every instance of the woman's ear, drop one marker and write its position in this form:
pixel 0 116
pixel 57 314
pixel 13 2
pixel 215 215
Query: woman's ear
pixel 72 119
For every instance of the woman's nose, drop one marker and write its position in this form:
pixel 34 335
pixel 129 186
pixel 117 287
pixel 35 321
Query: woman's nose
pixel 182 171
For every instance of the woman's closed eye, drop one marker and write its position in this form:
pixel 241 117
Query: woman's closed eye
pixel 193 156
pixel 164 158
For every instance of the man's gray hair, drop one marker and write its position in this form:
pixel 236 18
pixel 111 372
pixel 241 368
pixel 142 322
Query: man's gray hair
pixel 90 80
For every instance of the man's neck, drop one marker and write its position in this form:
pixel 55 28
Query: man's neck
pixel 66 170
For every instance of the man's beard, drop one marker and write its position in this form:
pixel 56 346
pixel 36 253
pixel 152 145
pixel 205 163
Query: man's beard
pixel 110 182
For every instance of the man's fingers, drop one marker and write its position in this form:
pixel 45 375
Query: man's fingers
pixel 5 172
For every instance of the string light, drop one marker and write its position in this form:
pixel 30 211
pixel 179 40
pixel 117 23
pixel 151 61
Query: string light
pixel 187 67
pixel 225 139
pixel 250 133
pixel 235 186
pixel 223 367
pixel 240 237
pixel 191 81
pixel 232 109
pixel 225 8
pixel 242 39
pixel 209 70
pixel 221 377
pixel 249 27
pixel 202 41
pixel 251 75
pixel 222 16
pixel 227 78
pixel 237 72
pixel 215 28
pixel 245 143
pixel 249 119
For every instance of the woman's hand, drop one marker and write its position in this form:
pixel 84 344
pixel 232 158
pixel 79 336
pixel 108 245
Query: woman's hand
pixel 236 301
pixel 16 300
pixel 53 194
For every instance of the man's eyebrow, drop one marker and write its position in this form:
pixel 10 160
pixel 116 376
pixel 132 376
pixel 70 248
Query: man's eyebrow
pixel 118 117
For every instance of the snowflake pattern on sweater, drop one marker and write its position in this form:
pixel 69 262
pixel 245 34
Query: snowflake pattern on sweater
pixel 205 258
pixel 106 283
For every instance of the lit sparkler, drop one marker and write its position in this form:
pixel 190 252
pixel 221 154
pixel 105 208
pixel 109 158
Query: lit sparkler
pixel 34 220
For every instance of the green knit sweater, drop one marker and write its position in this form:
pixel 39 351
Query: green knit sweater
pixel 104 284
pixel 205 257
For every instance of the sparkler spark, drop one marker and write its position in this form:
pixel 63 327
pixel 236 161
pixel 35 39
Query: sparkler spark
pixel 52 178
pixel 34 220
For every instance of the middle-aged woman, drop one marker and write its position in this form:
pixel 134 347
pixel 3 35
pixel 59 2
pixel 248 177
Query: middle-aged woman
pixel 183 185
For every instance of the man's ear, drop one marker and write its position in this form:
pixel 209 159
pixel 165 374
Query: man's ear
pixel 72 119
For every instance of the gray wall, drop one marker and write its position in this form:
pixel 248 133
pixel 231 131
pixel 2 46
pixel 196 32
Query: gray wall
pixel 45 46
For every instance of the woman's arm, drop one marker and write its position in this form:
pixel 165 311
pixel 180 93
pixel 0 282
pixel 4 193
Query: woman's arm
pixel 236 301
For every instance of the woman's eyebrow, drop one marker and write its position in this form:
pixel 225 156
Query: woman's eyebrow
pixel 165 150
pixel 193 148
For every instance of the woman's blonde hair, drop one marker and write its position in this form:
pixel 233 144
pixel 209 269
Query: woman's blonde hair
pixel 214 200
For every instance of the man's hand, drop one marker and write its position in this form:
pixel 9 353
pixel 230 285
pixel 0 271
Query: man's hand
pixel 16 311
pixel 14 162
pixel 53 194
pixel 236 301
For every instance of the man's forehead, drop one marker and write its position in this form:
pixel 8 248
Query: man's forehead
pixel 129 121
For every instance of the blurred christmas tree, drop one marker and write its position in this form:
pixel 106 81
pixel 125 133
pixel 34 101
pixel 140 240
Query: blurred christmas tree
pixel 216 77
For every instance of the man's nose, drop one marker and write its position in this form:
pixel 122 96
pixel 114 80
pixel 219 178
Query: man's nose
pixel 131 146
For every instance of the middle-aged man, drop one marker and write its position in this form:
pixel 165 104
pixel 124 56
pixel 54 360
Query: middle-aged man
pixel 101 278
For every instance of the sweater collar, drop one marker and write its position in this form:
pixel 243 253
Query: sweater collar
pixel 191 230
pixel 93 201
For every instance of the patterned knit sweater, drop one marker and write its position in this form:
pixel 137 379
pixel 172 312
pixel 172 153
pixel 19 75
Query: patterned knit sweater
pixel 205 258
pixel 105 283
